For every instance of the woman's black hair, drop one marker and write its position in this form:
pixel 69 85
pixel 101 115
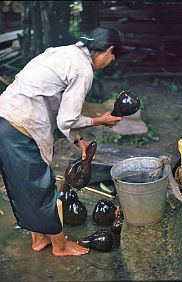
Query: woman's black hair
pixel 100 39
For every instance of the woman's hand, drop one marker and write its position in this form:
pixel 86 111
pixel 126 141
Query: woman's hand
pixel 82 144
pixel 106 119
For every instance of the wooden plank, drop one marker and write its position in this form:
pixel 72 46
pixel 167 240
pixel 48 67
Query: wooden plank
pixel 136 3
pixel 7 66
pixel 149 36
pixel 154 43
pixel 143 68
pixel 135 56
pixel 4 80
pixel 5 51
pixel 152 38
pixel 149 61
pixel 173 46
pixel 156 6
pixel 10 55
pixel 152 28
pixel 10 36
pixel 170 19
pixel 155 74
pixel 146 12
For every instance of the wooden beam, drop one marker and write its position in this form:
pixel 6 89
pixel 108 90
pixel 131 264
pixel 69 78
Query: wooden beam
pixel 163 74
pixel 10 36
pixel 4 80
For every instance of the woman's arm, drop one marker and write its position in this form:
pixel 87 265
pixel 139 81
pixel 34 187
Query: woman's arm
pixel 106 119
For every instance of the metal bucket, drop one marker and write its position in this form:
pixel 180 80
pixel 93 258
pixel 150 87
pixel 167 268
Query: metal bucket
pixel 142 203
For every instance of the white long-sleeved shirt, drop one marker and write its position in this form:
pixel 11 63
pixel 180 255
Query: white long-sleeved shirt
pixel 48 93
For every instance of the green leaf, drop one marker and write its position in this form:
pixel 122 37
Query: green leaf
pixel 174 88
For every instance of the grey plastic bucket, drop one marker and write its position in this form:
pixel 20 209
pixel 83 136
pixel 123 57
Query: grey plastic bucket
pixel 142 203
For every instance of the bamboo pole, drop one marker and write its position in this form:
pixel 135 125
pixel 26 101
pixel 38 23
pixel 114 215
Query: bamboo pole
pixel 60 210
pixel 98 192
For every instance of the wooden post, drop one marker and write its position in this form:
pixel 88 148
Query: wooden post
pixel 60 210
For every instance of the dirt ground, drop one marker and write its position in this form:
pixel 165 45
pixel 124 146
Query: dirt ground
pixel 161 108
pixel 161 111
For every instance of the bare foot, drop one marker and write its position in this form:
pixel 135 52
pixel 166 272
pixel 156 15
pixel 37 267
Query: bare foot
pixel 42 243
pixel 71 249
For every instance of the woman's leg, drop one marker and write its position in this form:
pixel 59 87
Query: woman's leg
pixel 31 187
pixel 63 247
pixel 60 245
pixel 29 181
pixel 40 241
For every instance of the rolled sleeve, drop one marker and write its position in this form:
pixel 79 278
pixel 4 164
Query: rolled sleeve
pixel 69 114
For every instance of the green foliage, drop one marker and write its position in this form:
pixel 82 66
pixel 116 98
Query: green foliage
pixel 114 95
pixel 76 9
pixel 174 88
pixel 94 100
pixel 141 104
pixel 137 140
pixel 146 138
pixel 97 75
pixel 107 138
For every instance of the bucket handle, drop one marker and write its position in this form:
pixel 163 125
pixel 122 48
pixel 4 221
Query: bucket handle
pixel 173 184
pixel 114 179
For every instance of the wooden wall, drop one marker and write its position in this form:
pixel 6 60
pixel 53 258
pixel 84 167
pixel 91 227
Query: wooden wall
pixel 152 32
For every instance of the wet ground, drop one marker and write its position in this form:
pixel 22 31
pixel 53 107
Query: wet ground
pixel 19 263
pixel 150 253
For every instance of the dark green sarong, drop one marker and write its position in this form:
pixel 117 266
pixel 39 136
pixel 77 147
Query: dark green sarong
pixel 30 182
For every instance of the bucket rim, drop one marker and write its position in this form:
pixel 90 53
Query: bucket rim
pixel 136 158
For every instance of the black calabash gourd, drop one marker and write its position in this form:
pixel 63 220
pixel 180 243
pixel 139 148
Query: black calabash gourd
pixel 78 174
pixel 117 224
pixel 74 211
pixel 104 213
pixel 126 104
pixel 116 227
pixel 68 196
pixel 65 187
pixel 75 214
pixel 100 240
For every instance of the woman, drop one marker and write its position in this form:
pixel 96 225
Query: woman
pixel 46 98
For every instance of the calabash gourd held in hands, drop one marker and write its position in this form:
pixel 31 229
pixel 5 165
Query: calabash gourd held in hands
pixel 78 174
pixel 126 104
